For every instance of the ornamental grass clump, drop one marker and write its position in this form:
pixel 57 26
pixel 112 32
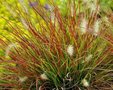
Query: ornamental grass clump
pixel 65 51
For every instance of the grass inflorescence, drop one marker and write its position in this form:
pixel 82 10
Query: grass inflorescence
pixel 56 50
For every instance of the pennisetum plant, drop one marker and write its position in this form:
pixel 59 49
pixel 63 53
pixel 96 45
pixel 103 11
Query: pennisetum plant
pixel 52 50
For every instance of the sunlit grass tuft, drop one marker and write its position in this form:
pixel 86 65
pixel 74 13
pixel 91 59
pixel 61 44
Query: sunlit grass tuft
pixel 55 50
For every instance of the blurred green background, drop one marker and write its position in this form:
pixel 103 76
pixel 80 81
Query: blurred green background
pixel 8 9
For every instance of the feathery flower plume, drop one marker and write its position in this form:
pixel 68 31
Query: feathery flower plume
pixel 94 7
pixel 83 26
pixel 70 50
pixel 96 27
pixel 85 83
pixel 43 76
pixel 72 9
pixel 23 79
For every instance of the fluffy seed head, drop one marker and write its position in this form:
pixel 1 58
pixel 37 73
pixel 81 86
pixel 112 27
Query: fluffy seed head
pixel 85 83
pixel 43 76
pixel 96 27
pixel 70 50
pixel 92 7
pixel 83 26
pixel 72 9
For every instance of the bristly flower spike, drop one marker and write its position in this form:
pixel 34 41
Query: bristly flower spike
pixel 96 27
pixel 43 76
pixel 83 26
pixel 70 50
pixel 85 83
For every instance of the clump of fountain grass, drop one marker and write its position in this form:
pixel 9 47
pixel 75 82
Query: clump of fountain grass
pixel 58 52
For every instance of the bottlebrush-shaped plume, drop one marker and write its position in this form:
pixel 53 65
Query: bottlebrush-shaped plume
pixel 70 50
pixel 85 83
pixel 72 9
pixel 96 27
pixel 83 26
pixel 43 76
